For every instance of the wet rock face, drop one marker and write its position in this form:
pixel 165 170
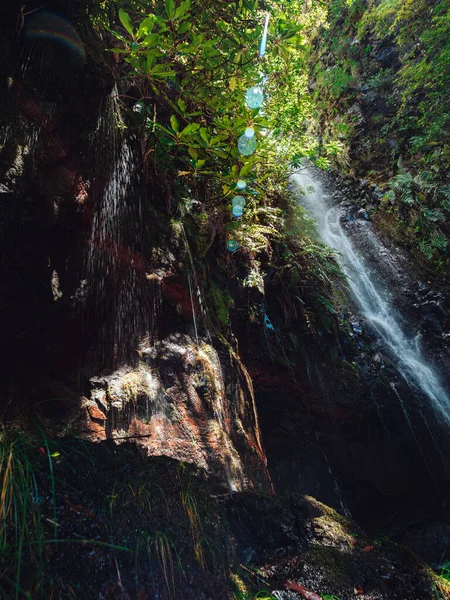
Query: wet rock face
pixel 344 426
pixel 103 316
pixel 424 309
pixel 186 401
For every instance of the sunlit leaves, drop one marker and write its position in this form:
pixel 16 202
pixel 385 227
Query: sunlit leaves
pixel 190 129
pixel 125 20
pixel 196 67
pixel 174 123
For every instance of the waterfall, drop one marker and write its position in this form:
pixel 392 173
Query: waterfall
pixel 372 295
pixel 125 302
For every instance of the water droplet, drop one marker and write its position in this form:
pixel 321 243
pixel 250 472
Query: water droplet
pixel 237 211
pixel 238 201
pixel 254 97
pixel 241 185
pixel 249 132
pixel 232 246
pixel 246 146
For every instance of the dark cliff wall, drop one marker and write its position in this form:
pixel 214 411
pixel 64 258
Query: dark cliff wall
pixel 102 313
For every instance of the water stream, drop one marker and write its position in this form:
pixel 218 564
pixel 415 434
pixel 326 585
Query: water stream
pixel 373 296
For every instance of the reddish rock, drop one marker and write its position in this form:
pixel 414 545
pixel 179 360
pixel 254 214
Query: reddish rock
pixel 96 413
pixel 177 292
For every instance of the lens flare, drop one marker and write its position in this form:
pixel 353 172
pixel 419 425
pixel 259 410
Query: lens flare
pixel 238 201
pixel 262 48
pixel 47 25
pixel 232 246
pixel 254 97
pixel 241 185
pixel 237 211
pixel 249 132
pixel 246 146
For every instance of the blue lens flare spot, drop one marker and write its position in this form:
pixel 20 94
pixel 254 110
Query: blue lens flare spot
pixel 232 246
pixel 237 211
pixel 241 185
pixel 246 146
pixel 249 132
pixel 254 97
pixel 238 201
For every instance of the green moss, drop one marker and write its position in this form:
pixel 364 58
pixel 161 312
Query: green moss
pixel 221 301
pixel 336 563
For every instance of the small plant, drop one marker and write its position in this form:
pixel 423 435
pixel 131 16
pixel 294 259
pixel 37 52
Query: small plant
pixel 445 571
pixel 111 499
pixel 191 507
pixel 21 535
pixel 159 546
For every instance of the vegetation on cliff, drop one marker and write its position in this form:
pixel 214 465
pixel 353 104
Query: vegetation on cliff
pixel 381 74
pixel 188 69
pixel 80 520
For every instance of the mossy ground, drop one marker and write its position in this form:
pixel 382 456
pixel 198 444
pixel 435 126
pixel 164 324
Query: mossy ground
pixel 117 524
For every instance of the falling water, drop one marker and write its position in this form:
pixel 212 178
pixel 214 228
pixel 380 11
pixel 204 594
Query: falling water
pixel 373 297
pixel 115 266
pixel 193 281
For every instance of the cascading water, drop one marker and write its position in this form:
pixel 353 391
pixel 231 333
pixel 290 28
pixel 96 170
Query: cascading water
pixel 115 267
pixel 373 296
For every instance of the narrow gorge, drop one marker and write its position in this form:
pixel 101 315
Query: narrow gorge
pixel 225 317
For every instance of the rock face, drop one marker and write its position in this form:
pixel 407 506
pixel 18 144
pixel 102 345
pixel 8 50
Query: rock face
pixel 101 299
pixel 109 337
pixel 186 401
pixel 369 442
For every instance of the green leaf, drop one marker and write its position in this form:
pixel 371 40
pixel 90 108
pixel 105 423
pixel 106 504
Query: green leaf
pixel 146 27
pixel 204 134
pixel 151 39
pixel 159 126
pixel 116 34
pixel 126 22
pixel 175 124
pixel 219 153
pixel 164 74
pixel 200 163
pixel 182 105
pixel 184 27
pixel 193 153
pixel 151 58
pixel 182 9
pixel 170 8
pixel 191 128
pixel 246 169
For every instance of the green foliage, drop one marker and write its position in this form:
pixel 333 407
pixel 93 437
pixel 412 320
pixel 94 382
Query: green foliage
pixel 409 116
pixel 426 207
pixel 309 281
pixel 192 64
pixel 221 303
pixel 28 493
pixel 422 34
pixel 338 79
pixel 21 535
pixel 445 571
